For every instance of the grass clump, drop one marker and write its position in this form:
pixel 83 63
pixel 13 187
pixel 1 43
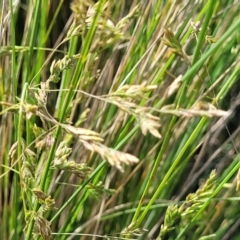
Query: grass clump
pixel 112 113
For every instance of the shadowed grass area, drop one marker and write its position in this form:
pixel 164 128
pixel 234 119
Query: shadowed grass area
pixel 119 119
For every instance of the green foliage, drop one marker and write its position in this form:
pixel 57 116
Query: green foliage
pixel 113 113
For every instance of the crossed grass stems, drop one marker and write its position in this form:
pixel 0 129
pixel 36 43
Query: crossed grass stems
pixel 98 33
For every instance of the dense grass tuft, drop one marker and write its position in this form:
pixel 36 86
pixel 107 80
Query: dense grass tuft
pixel 119 119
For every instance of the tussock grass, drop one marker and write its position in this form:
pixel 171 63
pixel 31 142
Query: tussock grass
pixel 119 119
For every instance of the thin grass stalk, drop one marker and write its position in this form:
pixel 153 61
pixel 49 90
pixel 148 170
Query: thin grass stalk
pixel 160 75
pixel 200 15
pixel 84 51
pixel 19 153
pixel 205 56
pixel 80 188
pixel 42 40
pixel 16 207
pixel 19 139
pixel 53 20
pixel 22 55
pixel 66 76
pixel 13 44
pixel 36 13
pixel 73 214
pixel 16 118
pixel 224 89
pixel 43 182
pixel 67 227
pixel 39 57
pixel 28 75
pixel 171 170
pixel 202 33
pixel 154 21
pixel 136 218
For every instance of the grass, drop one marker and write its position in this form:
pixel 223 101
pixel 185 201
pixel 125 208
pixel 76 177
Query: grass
pixel 119 120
